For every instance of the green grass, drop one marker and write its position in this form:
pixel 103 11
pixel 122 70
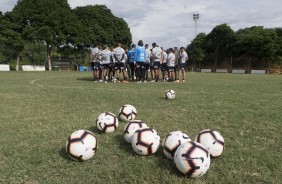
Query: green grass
pixel 40 110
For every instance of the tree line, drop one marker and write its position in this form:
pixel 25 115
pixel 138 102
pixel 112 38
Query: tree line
pixel 253 47
pixel 35 30
pixel 53 25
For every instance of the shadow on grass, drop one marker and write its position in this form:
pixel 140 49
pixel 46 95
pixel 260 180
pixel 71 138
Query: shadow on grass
pixel 63 154
pixel 89 79
pixel 95 130
pixel 166 164
pixel 123 145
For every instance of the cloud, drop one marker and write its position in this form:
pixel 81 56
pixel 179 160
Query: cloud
pixel 170 23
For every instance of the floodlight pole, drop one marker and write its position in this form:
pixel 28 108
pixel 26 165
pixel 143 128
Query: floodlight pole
pixel 196 18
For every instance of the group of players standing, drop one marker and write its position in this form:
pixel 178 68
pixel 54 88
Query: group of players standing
pixel 135 64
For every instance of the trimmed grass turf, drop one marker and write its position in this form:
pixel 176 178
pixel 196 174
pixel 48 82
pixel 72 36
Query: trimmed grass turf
pixel 39 110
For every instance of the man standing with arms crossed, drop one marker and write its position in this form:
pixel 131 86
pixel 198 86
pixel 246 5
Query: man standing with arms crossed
pixel 183 57
pixel 120 57
pixel 157 57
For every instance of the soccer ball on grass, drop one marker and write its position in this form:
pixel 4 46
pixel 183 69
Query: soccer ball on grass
pixel 107 122
pixel 145 141
pixel 81 145
pixel 192 159
pixel 170 94
pixel 127 113
pixel 172 141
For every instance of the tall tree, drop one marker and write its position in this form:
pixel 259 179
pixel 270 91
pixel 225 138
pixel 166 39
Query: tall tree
pixel 11 35
pixel 196 52
pixel 103 26
pixel 220 37
pixel 49 21
pixel 257 42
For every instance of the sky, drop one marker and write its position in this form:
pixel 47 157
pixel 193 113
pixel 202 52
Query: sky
pixel 170 23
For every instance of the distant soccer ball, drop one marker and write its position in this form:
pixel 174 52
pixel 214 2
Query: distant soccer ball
pixel 127 113
pixel 81 145
pixel 131 127
pixel 212 141
pixel 107 122
pixel 172 141
pixel 170 94
pixel 145 141
pixel 192 159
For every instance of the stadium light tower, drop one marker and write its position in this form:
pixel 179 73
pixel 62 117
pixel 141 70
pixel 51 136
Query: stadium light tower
pixel 196 18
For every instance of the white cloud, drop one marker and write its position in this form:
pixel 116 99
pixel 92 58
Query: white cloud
pixel 170 22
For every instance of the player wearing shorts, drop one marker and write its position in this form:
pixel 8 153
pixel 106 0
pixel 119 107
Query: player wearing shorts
pixel 95 62
pixel 183 57
pixel 120 57
pixel 163 65
pixel 105 62
pixel 147 62
pixel 170 64
pixel 131 61
pixel 176 69
pixel 140 57
pixel 157 57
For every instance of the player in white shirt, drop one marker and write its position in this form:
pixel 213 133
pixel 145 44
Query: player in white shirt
pixel 157 56
pixel 170 64
pixel 120 57
pixel 105 62
pixel 163 65
pixel 95 61
pixel 183 57
pixel 147 61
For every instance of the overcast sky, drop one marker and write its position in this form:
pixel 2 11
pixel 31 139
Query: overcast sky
pixel 170 22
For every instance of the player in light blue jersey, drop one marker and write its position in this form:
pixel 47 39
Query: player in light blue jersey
pixel 140 57
pixel 131 61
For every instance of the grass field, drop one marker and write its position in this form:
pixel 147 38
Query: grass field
pixel 40 110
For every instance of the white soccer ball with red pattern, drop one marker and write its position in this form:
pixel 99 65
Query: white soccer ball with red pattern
pixel 81 145
pixel 145 141
pixel 172 141
pixel 192 159
pixel 107 122
pixel 127 113
pixel 170 94
pixel 212 140
pixel 131 127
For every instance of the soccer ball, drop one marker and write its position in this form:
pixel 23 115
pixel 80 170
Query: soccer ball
pixel 107 122
pixel 81 145
pixel 131 127
pixel 145 141
pixel 170 94
pixel 127 113
pixel 212 141
pixel 192 159
pixel 172 141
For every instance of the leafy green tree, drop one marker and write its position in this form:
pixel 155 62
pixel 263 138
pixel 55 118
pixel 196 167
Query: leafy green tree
pixel 257 42
pixel 196 52
pixel 49 21
pixel 103 26
pixel 11 35
pixel 220 37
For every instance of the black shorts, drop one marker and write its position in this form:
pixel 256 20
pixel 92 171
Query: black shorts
pixel 95 65
pixel 176 68
pixel 146 66
pixel 171 69
pixel 120 66
pixel 156 65
pixel 105 66
pixel 163 67
pixel 182 66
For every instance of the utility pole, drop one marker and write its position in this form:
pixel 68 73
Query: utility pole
pixel 196 18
